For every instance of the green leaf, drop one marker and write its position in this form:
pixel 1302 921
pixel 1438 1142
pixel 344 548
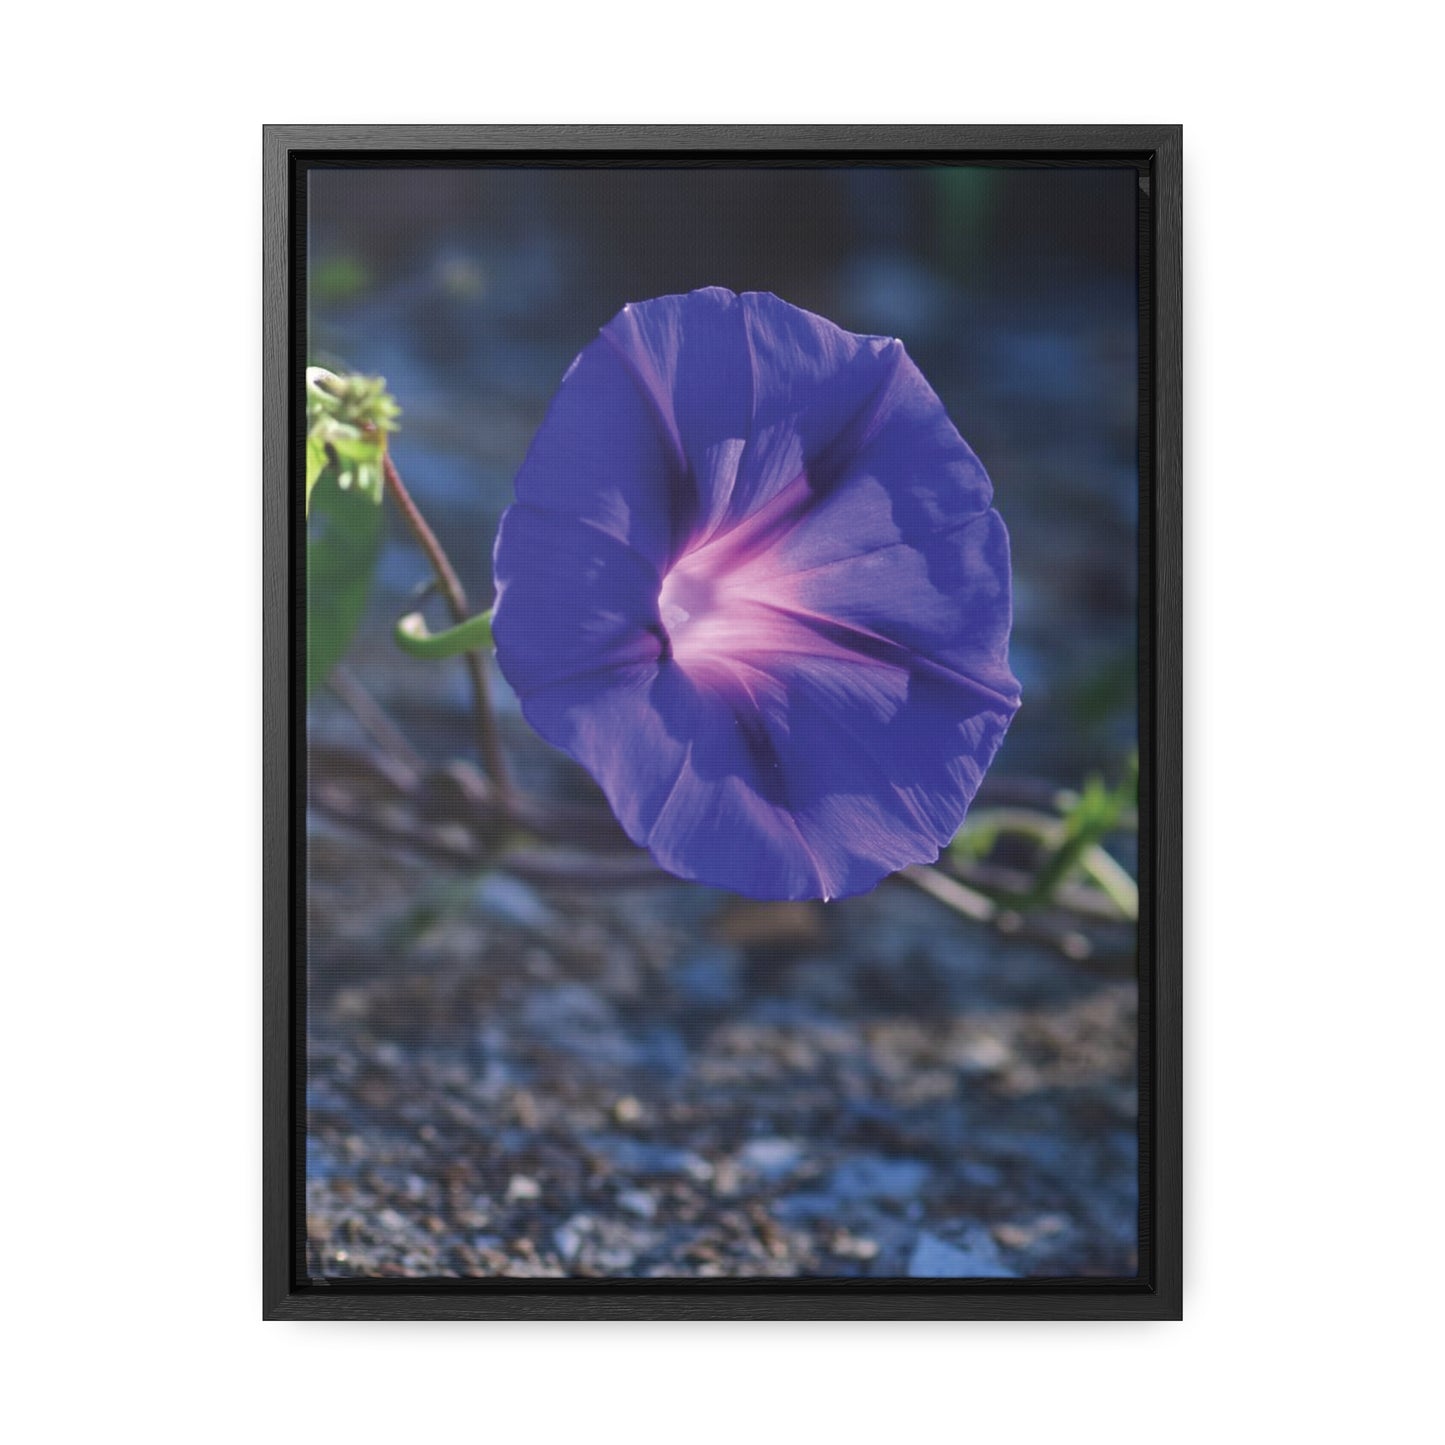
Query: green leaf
pixel 1095 812
pixel 315 465
pixel 975 840
pixel 343 541
pixel 1113 880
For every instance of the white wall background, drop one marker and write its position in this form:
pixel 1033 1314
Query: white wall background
pixel 130 588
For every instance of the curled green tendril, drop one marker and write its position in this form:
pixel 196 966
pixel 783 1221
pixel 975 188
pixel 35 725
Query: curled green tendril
pixel 414 638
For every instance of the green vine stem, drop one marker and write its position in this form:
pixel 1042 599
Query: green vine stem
pixel 415 638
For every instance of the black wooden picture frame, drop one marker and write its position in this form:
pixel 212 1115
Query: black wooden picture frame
pixel 1156 1293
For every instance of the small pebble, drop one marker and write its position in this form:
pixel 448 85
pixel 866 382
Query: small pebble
pixel 933 1258
pixel 639 1202
pixel 851 1246
pixel 520 1187
pixel 771 1158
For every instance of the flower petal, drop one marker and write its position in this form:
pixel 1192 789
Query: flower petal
pixel 879 763
pixel 753 393
pixel 727 819
pixel 687 772
pixel 689 358
pixel 942 596
pixel 571 600
pixel 608 722
pixel 602 454
pixel 817 391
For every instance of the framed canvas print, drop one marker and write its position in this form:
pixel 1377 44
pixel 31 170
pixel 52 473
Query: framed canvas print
pixel 722 722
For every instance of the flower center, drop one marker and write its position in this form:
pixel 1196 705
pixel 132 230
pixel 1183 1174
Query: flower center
pixel 718 609
pixel 687 596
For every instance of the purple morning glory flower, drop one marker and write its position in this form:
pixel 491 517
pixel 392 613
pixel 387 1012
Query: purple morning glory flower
pixel 752 582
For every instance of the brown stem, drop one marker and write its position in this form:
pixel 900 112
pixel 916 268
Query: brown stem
pixel 391 744
pixel 488 740
pixel 357 790
pixel 972 904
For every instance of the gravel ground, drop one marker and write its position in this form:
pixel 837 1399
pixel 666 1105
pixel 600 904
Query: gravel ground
pixel 671 1082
